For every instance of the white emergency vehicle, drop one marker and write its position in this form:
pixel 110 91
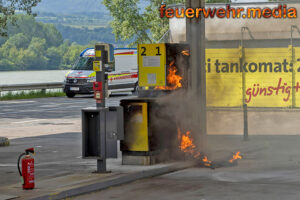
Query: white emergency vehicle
pixel 122 76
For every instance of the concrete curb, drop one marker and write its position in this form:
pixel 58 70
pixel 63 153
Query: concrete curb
pixel 4 142
pixel 115 182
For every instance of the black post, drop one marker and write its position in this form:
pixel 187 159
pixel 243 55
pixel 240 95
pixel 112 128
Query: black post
pixel 245 122
pixel 101 163
pixel 100 77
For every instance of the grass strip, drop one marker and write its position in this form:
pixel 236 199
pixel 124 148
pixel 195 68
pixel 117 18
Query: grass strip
pixel 30 95
pixel 4 142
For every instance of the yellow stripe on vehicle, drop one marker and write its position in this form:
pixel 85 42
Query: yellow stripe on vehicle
pixel 68 73
pixel 93 74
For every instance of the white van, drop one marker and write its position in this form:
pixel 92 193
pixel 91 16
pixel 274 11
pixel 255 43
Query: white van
pixel 121 77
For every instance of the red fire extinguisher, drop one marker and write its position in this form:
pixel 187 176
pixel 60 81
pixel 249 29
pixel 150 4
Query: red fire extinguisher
pixel 27 169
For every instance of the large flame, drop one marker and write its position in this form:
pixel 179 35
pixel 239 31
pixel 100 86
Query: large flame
pixel 187 145
pixel 186 142
pixel 174 80
pixel 235 157
pixel 185 52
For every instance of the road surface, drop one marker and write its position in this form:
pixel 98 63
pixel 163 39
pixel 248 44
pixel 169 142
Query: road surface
pixel 53 127
pixel 44 116
pixel 236 183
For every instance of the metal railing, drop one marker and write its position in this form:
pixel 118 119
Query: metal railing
pixel 31 86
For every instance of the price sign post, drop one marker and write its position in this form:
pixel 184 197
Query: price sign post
pixel 100 74
pixel 100 103
pixel 100 121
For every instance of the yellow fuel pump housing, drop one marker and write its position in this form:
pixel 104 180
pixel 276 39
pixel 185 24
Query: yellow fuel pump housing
pixel 154 61
pixel 148 130
pixel 152 64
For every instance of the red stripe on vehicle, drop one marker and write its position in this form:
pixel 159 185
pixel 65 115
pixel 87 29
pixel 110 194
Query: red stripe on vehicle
pixel 77 77
pixel 134 76
pixel 129 52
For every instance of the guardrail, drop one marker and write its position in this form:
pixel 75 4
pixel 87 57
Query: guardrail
pixel 31 86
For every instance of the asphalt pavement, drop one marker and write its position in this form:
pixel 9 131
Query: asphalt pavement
pixel 48 108
pixel 205 184
pixel 269 170
pixel 45 116
pixel 53 127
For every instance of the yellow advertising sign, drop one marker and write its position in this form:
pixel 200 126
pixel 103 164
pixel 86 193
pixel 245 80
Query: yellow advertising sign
pixel 97 66
pixel 223 89
pixel 262 77
pixel 152 64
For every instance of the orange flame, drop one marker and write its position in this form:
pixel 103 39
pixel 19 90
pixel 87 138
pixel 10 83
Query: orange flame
pixel 174 80
pixel 186 142
pixel 185 52
pixel 235 157
pixel 187 146
pixel 206 161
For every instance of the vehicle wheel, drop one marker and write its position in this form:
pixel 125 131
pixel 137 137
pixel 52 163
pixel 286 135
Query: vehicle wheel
pixel 136 89
pixel 70 94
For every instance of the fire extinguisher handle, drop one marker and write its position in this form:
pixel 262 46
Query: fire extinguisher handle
pixel 18 164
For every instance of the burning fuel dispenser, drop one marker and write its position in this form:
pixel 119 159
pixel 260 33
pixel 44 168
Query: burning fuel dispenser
pixel 148 129
pixel 141 124
pixel 162 68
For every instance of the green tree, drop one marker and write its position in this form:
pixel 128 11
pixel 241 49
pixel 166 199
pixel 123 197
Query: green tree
pixel 52 35
pixel 18 40
pixel 35 58
pixel 129 22
pixel 6 64
pixel 70 56
pixel 8 9
pixel 16 58
pixel 157 26
pixel 10 56
pixel 30 28
pixel 35 46
pixel 54 57
pixel 218 1
pixel 31 46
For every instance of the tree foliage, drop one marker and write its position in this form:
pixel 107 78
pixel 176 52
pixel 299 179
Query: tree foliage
pixel 85 35
pixel 8 9
pixel 33 45
pixel 131 22
pixel 218 1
